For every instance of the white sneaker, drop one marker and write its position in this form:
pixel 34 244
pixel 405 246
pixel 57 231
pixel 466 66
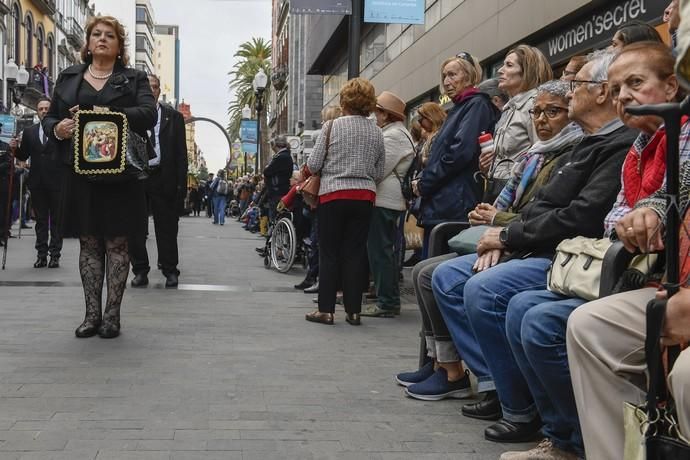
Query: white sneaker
pixel 545 450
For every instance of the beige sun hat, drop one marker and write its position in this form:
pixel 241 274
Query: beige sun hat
pixel 389 102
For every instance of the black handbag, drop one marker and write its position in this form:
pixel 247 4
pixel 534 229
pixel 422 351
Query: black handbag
pixel 139 152
pixel 663 440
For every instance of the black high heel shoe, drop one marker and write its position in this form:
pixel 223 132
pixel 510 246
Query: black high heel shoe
pixel 353 319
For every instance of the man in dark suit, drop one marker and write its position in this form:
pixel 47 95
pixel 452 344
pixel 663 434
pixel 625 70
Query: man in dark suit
pixel 166 189
pixel 277 173
pixel 44 182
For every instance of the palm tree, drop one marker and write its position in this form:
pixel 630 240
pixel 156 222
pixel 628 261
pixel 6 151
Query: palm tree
pixel 253 55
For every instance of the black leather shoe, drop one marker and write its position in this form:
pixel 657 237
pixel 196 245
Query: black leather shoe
pixel 353 319
pixel 305 283
pixel 41 262
pixel 487 409
pixel 109 329
pixel 140 280
pixel 87 329
pixel 313 289
pixel 171 280
pixel 505 431
pixel 54 262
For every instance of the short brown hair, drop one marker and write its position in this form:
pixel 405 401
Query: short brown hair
pixel 358 97
pixel 535 67
pixel 657 57
pixel 119 30
pixel 472 70
pixel 415 130
pixel 331 113
pixel 432 112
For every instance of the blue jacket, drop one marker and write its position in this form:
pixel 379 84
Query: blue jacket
pixel 447 186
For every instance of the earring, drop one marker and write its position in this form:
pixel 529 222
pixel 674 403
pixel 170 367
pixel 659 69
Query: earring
pixel 119 58
pixel 88 52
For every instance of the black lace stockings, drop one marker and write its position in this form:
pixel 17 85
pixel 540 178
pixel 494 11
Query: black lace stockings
pixel 93 267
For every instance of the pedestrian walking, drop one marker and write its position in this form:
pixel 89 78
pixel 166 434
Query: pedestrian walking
pixel 219 188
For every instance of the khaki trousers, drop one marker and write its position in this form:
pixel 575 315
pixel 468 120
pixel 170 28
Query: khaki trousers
pixel 607 364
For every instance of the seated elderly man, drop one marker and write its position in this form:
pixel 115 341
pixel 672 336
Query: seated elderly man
pixel 606 338
pixel 473 291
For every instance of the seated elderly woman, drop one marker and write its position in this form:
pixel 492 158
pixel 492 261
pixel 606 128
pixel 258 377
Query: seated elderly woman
pixel 536 320
pixel 443 376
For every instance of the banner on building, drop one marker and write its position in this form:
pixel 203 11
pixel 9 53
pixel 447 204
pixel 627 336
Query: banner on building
pixel 596 29
pixel 248 131
pixel 321 6
pixel 249 147
pixel 394 11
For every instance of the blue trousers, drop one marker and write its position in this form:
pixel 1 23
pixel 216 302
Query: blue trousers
pixel 219 209
pixel 474 308
pixel 536 324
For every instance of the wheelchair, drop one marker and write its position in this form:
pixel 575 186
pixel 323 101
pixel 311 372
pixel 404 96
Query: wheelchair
pixel 283 247
pixel 233 209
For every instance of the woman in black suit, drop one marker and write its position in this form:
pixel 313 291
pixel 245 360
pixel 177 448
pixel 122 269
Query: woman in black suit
pixel 101 215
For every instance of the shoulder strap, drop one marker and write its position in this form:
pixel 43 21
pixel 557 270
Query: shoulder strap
pixel 329 128
pixel 413 153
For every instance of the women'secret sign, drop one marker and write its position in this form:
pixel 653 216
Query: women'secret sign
pixel 593 30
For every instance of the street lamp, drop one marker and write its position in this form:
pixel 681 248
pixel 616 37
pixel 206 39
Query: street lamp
pixel 260 82
pixel 246 115
pixel 18 77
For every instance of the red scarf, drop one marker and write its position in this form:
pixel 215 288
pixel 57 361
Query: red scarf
pixel 464 94
pixel 643 172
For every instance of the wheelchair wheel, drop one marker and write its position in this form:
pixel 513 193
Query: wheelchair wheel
pixel 283 245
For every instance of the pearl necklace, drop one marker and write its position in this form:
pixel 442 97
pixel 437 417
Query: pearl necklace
pixel 99 77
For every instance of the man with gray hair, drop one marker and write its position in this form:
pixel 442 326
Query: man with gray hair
pixel 277 173
pixel 473 291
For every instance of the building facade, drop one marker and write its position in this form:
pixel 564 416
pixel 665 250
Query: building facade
pixel 70 17
pixel 166 61
pixel 406 59
pixel 296 100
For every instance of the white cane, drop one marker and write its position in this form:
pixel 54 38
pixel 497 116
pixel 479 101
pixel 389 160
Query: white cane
pixel 21 205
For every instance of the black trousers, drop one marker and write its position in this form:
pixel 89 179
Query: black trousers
pixel 343 232
pixel 46 205
pixel 165 222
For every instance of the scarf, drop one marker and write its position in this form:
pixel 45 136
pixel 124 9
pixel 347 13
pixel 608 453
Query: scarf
pixel 465 94
pixel 532 161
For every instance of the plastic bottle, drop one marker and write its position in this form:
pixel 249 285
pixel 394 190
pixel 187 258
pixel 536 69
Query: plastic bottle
pixel 486 142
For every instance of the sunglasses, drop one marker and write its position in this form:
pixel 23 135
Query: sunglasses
pixel 465 57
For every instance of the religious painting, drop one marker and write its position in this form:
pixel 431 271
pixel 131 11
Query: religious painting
pixel 100 142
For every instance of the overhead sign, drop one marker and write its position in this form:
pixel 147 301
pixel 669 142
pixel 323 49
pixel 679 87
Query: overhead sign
pixel 248 131
pixel 321 7
pixel 394 11
pixel 598 28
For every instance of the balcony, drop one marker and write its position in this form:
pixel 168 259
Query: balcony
pixel 75 33
pixel 46 6
pixel 279 77
pixel 4 7
pixel 38 86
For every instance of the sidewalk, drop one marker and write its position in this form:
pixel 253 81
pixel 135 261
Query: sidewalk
pixel 225 367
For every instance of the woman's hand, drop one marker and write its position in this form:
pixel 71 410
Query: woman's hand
pixel 485 160
pixel 65 128
pixel 640 228
pixel 490 240
pixel 483 214
pixel 415 187
pixel 487 260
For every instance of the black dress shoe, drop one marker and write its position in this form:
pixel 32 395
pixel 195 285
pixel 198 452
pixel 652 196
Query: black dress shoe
pixel 305 283
pixel 487 409
pixel 319 317
pixel 109 329
pixel 505 431
pixel 140 280
pixel 313 289
pixel 87 329
pixel 171 280
pixel 41 262
pixel 353 319
pixel 54 262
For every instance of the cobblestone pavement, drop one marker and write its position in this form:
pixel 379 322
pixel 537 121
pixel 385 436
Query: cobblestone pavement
pixel 225 367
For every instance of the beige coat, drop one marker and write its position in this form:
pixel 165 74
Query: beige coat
pixel 514 133
pixel 399 155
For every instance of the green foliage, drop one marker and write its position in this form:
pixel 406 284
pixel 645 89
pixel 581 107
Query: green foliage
pixel 253 55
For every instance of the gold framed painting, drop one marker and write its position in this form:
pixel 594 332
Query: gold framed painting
pixel 100 142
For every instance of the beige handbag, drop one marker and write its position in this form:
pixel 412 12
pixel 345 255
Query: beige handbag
pixel 576 268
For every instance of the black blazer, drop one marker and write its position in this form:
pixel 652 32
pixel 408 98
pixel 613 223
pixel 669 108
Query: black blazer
pixel 277 174
pixel 127 91
pixel 45 172
pixel 172 179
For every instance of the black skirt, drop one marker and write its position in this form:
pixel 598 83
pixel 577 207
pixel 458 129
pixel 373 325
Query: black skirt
pixel 101 210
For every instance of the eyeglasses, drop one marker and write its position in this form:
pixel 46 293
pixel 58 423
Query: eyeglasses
pixel 574 84
pixel 465 57
pixel 550 112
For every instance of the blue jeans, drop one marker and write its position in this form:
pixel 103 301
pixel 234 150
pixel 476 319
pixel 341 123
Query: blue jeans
pixel 536 324
pixel 219 209
pixel 474 308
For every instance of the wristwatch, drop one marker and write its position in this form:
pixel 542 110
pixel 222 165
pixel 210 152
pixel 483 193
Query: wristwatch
pixel 503 236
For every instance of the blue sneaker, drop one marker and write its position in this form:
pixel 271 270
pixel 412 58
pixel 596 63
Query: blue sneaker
pixel 438 387
pixel 408 378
